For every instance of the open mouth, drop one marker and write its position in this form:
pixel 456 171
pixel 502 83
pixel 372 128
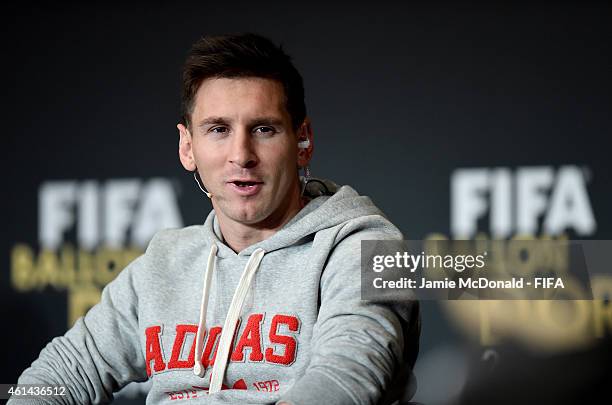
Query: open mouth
pixel 245 184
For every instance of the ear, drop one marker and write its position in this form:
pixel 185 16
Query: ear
pixel 305 133
pixel 186 148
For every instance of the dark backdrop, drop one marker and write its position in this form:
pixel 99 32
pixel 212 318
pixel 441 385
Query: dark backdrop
pixel 401 96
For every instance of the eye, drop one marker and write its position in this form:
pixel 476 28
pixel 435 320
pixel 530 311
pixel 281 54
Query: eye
pixel 265 131
pixel 218 130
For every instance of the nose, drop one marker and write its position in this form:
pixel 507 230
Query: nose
pixel 242 151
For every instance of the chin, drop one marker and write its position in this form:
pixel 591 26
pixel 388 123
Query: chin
pixel 248 215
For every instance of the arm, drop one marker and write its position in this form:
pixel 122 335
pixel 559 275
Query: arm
pixel 100 353
pixel 357 346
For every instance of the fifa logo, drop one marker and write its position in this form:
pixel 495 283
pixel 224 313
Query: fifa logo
pixel 106 213
pixel 526 201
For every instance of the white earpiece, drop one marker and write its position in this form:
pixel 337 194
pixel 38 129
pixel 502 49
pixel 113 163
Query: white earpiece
pixel 304 144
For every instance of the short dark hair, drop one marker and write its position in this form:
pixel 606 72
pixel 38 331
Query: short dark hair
pixel 241 55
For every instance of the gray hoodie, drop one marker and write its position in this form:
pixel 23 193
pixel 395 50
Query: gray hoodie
pixel 285 314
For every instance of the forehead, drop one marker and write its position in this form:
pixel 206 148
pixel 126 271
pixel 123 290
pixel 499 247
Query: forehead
pixel 236 97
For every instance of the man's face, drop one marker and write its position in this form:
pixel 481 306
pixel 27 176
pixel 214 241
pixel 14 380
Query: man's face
pixel 245 149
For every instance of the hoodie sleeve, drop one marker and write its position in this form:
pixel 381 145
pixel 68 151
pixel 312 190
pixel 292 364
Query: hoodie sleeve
pixel 357 346
pixel 99 354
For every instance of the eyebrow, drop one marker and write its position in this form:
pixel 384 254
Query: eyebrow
pixel 254 122
pixel 213 120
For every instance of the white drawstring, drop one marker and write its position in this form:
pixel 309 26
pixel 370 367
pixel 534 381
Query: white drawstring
pixel 198 368
pixel 231 320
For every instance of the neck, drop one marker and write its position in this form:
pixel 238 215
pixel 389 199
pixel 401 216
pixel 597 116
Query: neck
pixel 239 236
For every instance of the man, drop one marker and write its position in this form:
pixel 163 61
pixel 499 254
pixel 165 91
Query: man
pixel 290 327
